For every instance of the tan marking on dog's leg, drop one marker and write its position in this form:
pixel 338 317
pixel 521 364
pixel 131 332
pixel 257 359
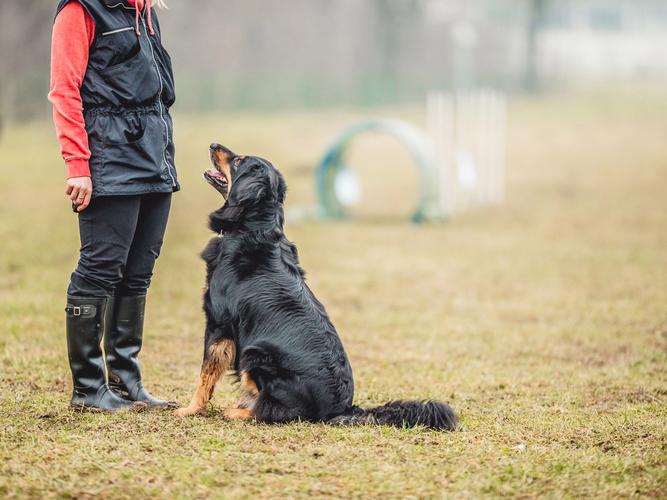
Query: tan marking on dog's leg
pixel 249 395
pixel 249 392
pixel 248 385
pixel 239 414
pixel 220 358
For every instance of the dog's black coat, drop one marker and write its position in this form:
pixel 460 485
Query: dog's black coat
pixel 257 297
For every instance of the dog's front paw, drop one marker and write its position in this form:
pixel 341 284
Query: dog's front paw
pixel 188 411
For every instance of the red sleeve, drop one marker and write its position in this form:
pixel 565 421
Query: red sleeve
pixel 73 34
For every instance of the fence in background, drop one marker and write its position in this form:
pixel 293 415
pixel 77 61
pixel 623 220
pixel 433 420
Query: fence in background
pixel 469 134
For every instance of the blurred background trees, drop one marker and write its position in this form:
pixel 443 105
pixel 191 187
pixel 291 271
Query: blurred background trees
pixel 25 32
pixel 269 54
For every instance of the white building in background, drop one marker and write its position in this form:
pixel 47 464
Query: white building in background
pixel 603 39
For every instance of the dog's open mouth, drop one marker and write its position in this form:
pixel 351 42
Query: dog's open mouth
pixel 218 181
pixel 220 176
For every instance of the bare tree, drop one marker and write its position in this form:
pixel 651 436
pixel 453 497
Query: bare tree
pixel 536 9
pixel 25 29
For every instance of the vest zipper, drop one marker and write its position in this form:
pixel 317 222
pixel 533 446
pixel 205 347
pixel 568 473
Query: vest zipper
pixel 166 127
pixel 119 30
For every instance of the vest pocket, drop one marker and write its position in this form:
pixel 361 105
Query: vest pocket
pixel 135 162
pixel 127 128
pixel 116 46
pixel 132 83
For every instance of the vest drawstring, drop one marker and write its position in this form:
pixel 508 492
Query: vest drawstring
pixel 148 17
pixel 147 5
pixel 136 18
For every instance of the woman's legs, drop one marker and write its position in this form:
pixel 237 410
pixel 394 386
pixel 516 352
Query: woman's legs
pixel 106 228
pixel 124 337
pixel 121 237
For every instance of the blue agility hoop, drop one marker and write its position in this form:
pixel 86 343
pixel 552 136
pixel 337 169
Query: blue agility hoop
pixel 420 148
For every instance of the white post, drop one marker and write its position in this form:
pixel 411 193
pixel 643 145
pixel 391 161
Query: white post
pixel 440 129
pixel 469 135
pixel 501 152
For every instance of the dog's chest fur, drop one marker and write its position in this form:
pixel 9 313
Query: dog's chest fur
pixel 213 256
pixel 235 265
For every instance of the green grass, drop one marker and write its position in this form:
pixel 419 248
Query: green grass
pixel 543 322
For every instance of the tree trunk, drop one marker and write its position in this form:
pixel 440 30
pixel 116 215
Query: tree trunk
pixel 531 80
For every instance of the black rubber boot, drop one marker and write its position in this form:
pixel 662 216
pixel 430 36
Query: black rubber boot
pixel 85 319
pixel 122 343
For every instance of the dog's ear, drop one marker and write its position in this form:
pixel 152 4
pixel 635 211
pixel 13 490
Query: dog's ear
pixel 250 191
pixel 225 217
pixel 245 194
pixel 280 189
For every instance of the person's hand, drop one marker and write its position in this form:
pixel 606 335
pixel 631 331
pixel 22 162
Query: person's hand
pixel 79 190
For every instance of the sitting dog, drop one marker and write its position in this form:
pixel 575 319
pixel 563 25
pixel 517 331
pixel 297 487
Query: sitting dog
pixel 264 322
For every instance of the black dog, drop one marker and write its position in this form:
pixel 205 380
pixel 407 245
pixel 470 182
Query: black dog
pixel 264 322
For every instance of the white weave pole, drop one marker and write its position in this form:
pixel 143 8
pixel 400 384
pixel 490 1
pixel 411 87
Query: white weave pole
pixel 469 133
pixel 440 128
pixel 500 151
pixel 485 146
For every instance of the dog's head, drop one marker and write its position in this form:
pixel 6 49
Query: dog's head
pixel 253 189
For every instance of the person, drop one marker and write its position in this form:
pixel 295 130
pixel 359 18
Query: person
pixel 111 88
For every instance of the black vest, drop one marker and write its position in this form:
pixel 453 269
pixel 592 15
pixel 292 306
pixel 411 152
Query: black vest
pixel 126 93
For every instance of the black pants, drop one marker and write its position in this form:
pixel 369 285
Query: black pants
pixel 121 237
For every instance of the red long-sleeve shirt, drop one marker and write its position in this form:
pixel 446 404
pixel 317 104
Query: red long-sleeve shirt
pixel 73 34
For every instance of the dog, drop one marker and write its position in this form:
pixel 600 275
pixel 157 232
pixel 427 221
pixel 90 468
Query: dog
pixel 264 323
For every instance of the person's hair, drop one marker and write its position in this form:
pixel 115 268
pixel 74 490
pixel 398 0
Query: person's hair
pixel 159 3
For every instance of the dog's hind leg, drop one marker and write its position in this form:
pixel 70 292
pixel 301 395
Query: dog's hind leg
pixel 218 358
pixel 281 396
pixel 249 395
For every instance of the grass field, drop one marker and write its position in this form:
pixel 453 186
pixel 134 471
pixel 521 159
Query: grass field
pixel 544 322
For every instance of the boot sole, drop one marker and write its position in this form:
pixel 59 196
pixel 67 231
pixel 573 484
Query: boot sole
pixel 168 405
pixel 137 407
pixel 171 405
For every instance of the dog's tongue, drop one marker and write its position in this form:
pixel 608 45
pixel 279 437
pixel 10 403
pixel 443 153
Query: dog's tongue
pixel 214 173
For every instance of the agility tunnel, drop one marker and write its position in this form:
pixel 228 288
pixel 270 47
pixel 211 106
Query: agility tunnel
pixel 459 158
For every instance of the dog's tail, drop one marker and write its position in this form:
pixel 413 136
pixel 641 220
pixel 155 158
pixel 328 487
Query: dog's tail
pixel 432 414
